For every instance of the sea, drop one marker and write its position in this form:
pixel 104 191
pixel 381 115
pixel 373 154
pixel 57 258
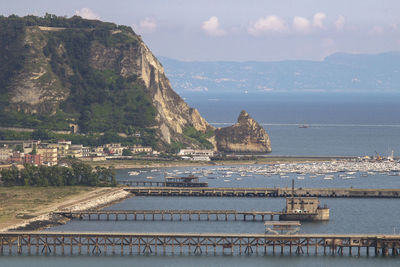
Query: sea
pixel 341 124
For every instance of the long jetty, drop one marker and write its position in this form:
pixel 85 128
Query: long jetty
pixel 171 215
pixel 264 192
pixel 71 243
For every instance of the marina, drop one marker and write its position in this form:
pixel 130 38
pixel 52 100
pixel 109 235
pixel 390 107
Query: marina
pixel 335 173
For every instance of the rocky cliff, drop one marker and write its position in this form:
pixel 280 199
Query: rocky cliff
pixel 244 136
pixel 56 72
pixel 173 114
pixel 99 75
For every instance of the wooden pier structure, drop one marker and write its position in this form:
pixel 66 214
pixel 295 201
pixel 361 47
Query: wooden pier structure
pixel 71 243
pixel 264 192
pixel 171 215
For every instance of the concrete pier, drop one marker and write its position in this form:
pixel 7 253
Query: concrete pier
pixel 265 192
pixel 77 243
pixel 172 215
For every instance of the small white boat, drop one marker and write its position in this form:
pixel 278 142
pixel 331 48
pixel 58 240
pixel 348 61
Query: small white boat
pixel 348 177
pixel 133 173
pixel 227 180
pixel 149 177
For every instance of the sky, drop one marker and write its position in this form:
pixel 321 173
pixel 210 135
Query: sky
pixel 237 30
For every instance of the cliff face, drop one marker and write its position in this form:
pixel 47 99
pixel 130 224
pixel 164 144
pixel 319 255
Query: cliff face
pixel 57 71
pixel 244 136
pixel 35 89
pixel 99 75
pixel 173 114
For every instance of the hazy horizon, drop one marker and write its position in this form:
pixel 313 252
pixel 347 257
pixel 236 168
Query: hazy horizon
pixel 229 30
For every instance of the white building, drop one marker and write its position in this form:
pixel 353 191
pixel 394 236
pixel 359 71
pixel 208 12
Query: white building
pixel 196 152
pixel 5 153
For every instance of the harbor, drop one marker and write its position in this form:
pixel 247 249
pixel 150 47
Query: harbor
pixel 345 173
pixel 344 169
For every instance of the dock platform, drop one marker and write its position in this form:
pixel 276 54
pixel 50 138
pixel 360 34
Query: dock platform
pixel 76 243
pixel 264 192
pixel 172 215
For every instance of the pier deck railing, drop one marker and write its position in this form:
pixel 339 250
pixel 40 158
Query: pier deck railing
pixel 264 192
pixel 70 243
pixel 171 215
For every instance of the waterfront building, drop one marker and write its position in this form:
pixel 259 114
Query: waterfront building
pixel 32 159
pixel 196 152
pixel 115 149
pixel 76 151
pixel 5 153
pixel 135 149
pixel 48 154
pixel 63 148
pixel 86 151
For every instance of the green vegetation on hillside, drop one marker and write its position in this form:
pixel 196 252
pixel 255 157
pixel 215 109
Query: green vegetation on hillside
pixel 192 133
pixel 99 100
pixel 147 137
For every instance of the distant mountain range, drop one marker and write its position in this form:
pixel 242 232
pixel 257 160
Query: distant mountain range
pixel 339 72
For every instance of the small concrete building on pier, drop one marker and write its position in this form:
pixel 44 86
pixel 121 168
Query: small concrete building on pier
pixel 304 209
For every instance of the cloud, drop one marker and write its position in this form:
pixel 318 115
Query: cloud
pixel 86 13
pixel 212 27
pixel 146 25
pixel 269 24
pixel 301 24
pixel 318 20
pixel 339 23
pixel 376 30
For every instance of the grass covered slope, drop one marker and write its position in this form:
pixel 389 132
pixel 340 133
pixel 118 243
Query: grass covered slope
pixel 47 78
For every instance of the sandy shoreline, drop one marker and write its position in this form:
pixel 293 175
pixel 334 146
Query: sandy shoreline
pixel 96 199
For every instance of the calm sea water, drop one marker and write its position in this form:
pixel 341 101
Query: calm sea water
pixel 333 139
pixel 338 126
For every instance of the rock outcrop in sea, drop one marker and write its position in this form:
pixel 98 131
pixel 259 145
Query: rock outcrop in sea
pixel 244 136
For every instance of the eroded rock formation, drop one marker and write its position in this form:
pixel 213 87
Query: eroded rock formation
pixel 244 136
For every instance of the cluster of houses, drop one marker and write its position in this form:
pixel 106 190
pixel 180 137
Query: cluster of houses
pixel 38 153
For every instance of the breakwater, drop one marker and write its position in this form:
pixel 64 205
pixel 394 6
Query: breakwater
pixel 265 192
